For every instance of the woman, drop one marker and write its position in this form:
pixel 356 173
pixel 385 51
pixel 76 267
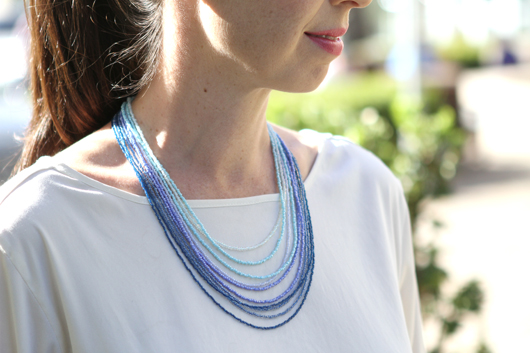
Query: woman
pixel 252 250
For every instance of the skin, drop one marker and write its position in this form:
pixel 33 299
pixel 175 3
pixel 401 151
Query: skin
pixel 204 113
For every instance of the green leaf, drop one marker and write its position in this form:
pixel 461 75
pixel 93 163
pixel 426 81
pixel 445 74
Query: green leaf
pixel 469 298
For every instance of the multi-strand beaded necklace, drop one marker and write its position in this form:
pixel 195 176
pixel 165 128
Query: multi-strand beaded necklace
pixel 208 260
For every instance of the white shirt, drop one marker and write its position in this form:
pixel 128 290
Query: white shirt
pixel 85 267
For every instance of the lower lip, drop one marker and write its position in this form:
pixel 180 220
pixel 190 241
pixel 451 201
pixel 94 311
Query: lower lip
pixel 331 46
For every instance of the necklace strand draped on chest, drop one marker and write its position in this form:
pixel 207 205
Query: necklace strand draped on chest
pixel 265 292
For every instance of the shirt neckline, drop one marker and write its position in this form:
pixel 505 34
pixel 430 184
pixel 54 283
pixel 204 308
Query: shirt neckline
pixel 202 203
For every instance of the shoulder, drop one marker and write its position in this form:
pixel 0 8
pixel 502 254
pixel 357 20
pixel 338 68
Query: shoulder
pixel 344 162
pixel 29 183
pixel 28 201
pixel 51 201
pixel 99 157
pixel 37 193
pixel 336 153
pixel 359 188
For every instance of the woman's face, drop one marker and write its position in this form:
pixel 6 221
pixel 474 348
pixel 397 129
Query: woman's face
pixel 270 40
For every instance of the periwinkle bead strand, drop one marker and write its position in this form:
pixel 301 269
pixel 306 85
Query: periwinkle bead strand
pixel 186 234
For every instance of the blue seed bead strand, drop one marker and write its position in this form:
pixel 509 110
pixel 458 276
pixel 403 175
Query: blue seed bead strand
pixel 269 315
pixel 182 239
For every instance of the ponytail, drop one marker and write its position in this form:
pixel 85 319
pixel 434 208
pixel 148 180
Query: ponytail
pixel 86 57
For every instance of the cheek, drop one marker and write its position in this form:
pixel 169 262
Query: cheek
pixel 269 30
pixel 267 38
pixel 282 55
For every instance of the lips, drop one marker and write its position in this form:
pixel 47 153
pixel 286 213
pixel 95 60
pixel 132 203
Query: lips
pixel 329 40
pixel 337 32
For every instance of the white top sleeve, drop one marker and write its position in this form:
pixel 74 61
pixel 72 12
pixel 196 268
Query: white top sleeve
pixel 85 267
pixel 24 326
pixel 407 274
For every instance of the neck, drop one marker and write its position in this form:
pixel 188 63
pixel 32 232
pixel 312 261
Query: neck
pixel 204 117
pixel 211 137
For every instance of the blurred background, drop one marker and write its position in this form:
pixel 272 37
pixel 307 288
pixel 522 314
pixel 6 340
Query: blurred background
pixel 438 90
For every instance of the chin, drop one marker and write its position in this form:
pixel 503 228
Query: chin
pixel 303 82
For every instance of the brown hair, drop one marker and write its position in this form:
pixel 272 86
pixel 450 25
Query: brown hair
pixel 86 56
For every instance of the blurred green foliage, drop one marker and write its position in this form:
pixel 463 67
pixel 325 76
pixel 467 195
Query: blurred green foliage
pixel 461 51
pixel 419 141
